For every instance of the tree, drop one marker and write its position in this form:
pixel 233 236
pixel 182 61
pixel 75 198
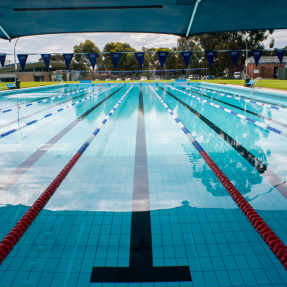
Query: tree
pixel 231 41
pixel 189 44
pixel 81 62
pixel 170 62
pixel 127 61
pixel 55 57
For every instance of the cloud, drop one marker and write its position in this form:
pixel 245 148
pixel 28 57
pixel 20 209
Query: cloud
pixel 280 38
pixel 63 43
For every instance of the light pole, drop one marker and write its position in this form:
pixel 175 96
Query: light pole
pixel 15 62
pixel 50 67
pixel 246 71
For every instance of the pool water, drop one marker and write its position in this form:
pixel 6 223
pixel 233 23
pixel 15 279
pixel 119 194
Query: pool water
pixel 141 207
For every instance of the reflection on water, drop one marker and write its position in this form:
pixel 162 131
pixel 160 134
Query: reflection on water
pixel 228 162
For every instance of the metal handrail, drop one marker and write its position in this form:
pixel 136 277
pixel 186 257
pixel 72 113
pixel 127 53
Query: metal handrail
pixel 60 80
pixel 259 81
pixel 204 78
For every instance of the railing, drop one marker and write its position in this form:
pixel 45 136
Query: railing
pixel 60 80
pixel 259 81
pixel 204 78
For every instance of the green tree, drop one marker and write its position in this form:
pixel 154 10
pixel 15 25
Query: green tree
pixel 230 41
pixel 55 57
pixel 189 44
pixel 127 61
pixel 170 62
pixel 81 62
pixel 149 60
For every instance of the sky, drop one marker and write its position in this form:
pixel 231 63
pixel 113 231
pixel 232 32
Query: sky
pixel 63 43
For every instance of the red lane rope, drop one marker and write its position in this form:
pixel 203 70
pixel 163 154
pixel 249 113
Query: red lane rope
pixel 267 234
pixel 10 240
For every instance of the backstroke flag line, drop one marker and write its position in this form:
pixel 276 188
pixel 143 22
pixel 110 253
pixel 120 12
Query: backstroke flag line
pixel 234 56
pixel 186 57
pixel 210 57
pixel 46 58
pixel 68 59
pixel 162 57
pixel 22 60
pixel 116 58
pixel 140 58
pixel 2 59
pixel 93 59
pixel 280 54
pixel 256 55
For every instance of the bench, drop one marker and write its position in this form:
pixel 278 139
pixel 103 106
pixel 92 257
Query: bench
pixel 11 86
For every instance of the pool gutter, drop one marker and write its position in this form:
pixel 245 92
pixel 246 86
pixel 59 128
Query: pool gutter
pixel 238 90
pixel 11 92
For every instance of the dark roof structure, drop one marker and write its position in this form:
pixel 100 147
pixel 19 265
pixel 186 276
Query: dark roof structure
pixel 55 65
pixel 179 17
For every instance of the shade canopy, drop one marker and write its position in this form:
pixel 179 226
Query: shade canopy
pixel 34 17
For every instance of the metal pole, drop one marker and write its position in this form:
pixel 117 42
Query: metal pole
pixel 192 17
pixel 6 34
pixel 15 61
pixel 246 59
pixel 246 71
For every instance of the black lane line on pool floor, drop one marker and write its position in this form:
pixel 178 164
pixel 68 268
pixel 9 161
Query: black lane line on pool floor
pixel 244 110
pixel 141 264
pixel 32 159
pixel 25 117
pixel 263 169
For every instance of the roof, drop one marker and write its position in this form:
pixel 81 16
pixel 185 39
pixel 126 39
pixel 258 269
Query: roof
pixel 28 66
pixel 34 17
pixel 267 60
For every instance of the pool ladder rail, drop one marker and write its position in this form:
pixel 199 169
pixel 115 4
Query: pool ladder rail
pixel 203 78
pixel 257 80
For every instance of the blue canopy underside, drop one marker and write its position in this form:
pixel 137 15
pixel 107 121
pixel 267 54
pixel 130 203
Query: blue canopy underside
pixel 35 17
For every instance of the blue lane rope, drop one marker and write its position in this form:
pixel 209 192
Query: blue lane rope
pixel 238 98
pixel 104 121
pixel 264 126
pixel 46 100
pixel 50 114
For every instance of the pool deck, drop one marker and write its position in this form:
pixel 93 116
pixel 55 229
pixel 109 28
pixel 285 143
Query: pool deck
pixel 263 89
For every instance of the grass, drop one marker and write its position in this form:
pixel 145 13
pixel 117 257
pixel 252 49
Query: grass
pixel 274 84
pixel 3 86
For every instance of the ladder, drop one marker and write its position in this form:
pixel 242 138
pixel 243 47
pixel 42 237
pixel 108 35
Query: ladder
pixel 257 80
pixel 204 78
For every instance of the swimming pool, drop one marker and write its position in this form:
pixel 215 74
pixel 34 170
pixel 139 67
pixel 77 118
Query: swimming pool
pixel 138 204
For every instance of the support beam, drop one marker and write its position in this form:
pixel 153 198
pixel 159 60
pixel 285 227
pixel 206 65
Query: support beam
pixel 192 17
pixel 6 34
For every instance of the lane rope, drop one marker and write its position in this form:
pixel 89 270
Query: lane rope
pixel 11 239
pixel 50 114
pixel 264 126
pixel 46 100
pixel 215 99
pixel 238 98
pixel 268 235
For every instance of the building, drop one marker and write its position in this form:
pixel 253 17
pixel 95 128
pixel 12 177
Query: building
pixel 268 67
pixel 34 72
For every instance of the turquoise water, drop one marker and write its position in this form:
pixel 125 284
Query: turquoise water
pixel 194 221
